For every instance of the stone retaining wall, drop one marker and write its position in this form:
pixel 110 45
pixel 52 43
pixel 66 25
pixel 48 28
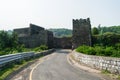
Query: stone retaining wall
pixel 98 62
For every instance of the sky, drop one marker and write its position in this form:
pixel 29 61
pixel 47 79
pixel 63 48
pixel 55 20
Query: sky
pixel 57 13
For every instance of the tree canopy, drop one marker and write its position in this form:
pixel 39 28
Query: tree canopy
pixel 8 40
pixel 61 32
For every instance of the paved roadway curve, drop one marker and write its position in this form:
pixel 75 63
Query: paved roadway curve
pixel 58 68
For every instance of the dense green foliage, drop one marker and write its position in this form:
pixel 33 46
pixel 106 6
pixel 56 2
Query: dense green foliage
pixel 106 42
pixel 8 40
pixel 41 48
pixel 114 29
pixel 100 51
pixel 61 32
pixel 95 31
pixel 106 39
pixel 106 36
pixel 21 48
pixel 9 43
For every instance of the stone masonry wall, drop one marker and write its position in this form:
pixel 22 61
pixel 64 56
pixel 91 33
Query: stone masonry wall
pixel 50 39
pixel 98 62
pixel 64 43
pixel 34 36
pixel 22 32
pixel 34 40
pixel 81 32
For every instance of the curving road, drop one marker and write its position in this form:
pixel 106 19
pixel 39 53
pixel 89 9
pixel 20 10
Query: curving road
pixel 58 68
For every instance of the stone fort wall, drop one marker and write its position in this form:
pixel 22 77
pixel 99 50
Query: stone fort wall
pixel 65 42
pixel 34 36
pixel 81 32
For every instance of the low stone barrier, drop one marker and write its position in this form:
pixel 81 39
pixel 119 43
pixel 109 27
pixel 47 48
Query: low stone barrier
pixel 110 64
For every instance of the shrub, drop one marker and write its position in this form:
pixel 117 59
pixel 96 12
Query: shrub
pixel 82 49
pixel 110 39
pixel 106 39
pixel 86 50
pixel 109 51
pixel 42 47
pixel 117 46
pixel 91 51
pixel 20 48
pixel 37 49
pixel 99 51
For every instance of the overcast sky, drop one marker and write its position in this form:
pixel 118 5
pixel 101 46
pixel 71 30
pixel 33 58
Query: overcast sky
pixel 57 13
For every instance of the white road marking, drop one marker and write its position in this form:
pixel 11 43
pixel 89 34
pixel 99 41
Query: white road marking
pixel 41 60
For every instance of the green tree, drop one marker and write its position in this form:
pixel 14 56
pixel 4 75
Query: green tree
pixel 114 29
pixel 110 38
pixel 106 39
pixel 8 40
pixel 95 31
pixel 61 32
pixel 4 39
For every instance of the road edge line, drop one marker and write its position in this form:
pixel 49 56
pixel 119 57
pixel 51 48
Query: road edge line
pixel 30 77
pixel 75 66
pixel 41 61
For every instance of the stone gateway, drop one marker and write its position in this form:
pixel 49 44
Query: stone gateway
pixel 34 36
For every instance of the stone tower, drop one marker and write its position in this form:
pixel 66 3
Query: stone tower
pixel 81 32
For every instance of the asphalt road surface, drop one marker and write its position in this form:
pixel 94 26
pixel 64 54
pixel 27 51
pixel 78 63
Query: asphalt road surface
pixel 58 68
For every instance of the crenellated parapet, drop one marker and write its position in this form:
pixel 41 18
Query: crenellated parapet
pixel 85 21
